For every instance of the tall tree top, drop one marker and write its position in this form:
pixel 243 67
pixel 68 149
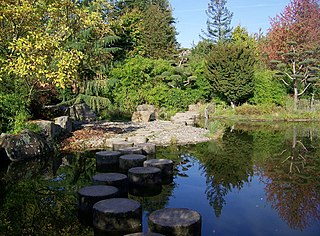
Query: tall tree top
pixel 218 22
pixel 298 22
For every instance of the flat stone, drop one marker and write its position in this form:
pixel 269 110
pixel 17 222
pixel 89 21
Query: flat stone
pixel 117 215
pixel 117 180
pixel 175 221
pixel 131 160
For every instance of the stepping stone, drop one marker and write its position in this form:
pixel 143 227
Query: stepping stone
pixel 88 196
pixel 147 148
pixel 117 180
pixel 144 234
pixel 117 215
pixel 107 161
pixel 144 181
pixel 175 222
pixel 121 145
pixel 110 141
pixel 131 150
pixel 166 167
pixel 131 160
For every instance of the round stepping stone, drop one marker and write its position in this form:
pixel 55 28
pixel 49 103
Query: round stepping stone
pixel 166 167
pixel 107 160
pixel 121 145
pixel 144 181
pixel 117 215
pixel 144 234
pixel 131 150
pixel 131 160
pixel 117 180
pixel 175 222
pixel 88 196
pixel 147 148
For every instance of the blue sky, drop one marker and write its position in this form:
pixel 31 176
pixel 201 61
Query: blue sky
pixel 251 14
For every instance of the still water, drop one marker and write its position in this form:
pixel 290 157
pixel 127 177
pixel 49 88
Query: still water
pixel 258 179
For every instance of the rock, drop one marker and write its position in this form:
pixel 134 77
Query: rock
pixel 49 129
pixel 64 122
pixel 137 139
pixel 25 145
pixel 131 150
pixel 81 112
pixel 147 148
pixel 175 222
pixel 194 107
pixel 144 114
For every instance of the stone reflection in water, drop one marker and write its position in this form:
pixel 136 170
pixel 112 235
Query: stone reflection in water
pixel 292 180
pixel 227 165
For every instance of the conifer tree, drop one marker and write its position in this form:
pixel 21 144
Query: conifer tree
pixel 218 22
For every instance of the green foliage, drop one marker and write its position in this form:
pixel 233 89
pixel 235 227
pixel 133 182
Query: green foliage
pixel 267 90
pixel 230 70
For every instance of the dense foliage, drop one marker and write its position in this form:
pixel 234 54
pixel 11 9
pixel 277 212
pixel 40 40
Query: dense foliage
pixel 110 55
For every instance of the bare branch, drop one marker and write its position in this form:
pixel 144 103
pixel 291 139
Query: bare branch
pixel 305 89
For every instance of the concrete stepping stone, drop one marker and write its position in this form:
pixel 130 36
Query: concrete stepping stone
pixel 107 161
pixel 144 234
pixel 175 222
pixel 121 145
pixel 117 180
pixel 147 148
pixel 131 160
pixel 166 167
pixel 144 181
pixel 88 196
pixel 117 216
pixel 131 150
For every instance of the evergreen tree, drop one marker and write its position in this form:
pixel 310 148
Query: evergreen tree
pixel 159 33
pixel 230 69
pixel 218 22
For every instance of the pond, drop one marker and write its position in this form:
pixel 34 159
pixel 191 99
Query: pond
pixel 258 179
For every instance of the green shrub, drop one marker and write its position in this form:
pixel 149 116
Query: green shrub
pixel 257 110
pixel 268 90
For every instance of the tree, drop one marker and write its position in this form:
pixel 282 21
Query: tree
pixel 218 22
pixel 230 69
pixel 298 70
pixel 159 34
pixel 298 22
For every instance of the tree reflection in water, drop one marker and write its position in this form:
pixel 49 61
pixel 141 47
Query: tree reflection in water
pixel 227 165
pixel 292 180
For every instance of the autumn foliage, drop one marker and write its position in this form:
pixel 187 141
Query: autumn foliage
pixel 298 22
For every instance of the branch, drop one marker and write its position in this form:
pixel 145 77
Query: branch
pixel 285 82
pixel 304 89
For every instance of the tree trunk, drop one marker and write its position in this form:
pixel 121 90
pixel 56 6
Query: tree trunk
pixel 295 99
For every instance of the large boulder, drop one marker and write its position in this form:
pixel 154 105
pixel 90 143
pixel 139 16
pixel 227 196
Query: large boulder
pixel 49 129
pixel 81 112
pixel 64 122
pixel 25 145
pixel 144 114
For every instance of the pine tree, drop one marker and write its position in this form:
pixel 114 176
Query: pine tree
pixel 218 22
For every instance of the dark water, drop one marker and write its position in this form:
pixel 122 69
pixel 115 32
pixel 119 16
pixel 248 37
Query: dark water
pixel 257 180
